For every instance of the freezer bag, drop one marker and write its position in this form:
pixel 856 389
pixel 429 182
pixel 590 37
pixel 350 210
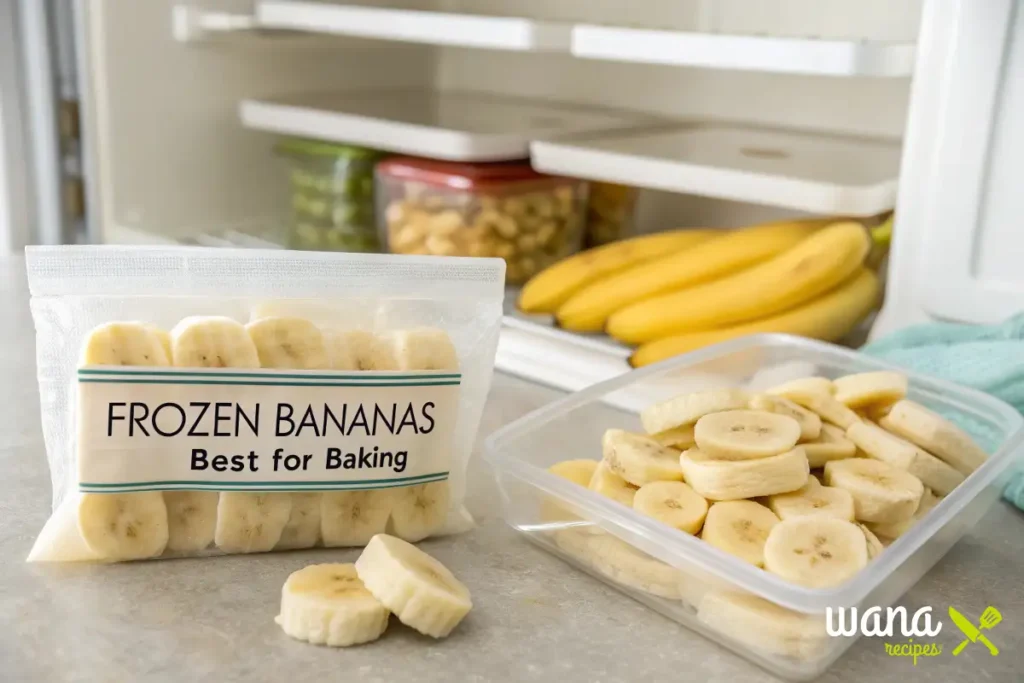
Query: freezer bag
pixel 200 402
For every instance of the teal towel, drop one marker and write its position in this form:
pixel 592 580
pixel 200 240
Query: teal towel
pixel 988 358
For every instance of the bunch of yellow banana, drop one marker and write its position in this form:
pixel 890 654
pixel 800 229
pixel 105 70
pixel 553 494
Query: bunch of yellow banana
pixel 674 292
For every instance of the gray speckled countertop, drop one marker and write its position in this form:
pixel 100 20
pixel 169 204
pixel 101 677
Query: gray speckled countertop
pixel 534 617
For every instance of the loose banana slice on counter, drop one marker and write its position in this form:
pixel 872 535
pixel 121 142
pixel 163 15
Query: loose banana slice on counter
pixel 289 343
pixel 810 422
pixel 251 522
pixel 352 518
pixel 424 348
pixel 813 499
pixel 894 530
pixel 764 625
pixel 420 591
pixel 672 503
pixel 935 434
pixel 735 479
pixel 303 527
pixel 191 520
pixel 639 459
pixel 745 434
pixel 579 472
pixel 687 409
pixel 680 438
pixel 611 485
pixel 419 511
pixel 882 445
pixel 124 526
pixel 626 565
pixel 827 407
pixel 815 551
pixel 125 344
pixel 804 386
pixel 881 493
pixel 870 388
pixel 740 528
pixel 874 545
pixel 212 342
pixel 831 444
pixel 327 604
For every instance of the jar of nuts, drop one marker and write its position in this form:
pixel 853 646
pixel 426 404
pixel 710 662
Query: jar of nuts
pixel 506 210
pixel 610 213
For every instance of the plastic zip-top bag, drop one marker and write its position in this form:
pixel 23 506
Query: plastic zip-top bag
pixel 208 401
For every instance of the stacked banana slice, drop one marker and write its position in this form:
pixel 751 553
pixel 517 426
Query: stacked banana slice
pixel 800 481
pixel 347 604
pixel 134 526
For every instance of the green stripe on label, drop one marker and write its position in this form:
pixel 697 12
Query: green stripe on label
pixel 260 485
pixel 217 373
pixel 90 380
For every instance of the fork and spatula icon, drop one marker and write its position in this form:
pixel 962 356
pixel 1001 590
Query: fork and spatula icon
pixel 989 618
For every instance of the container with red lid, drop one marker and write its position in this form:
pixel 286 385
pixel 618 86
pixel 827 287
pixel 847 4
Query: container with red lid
pixel 501 209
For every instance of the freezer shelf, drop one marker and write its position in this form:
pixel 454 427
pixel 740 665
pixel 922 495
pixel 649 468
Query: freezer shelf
pixel 456 126
pixel 775 54
pixel 817 173
pixel 415 26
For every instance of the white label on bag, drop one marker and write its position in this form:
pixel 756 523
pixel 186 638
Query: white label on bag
pixel 157 429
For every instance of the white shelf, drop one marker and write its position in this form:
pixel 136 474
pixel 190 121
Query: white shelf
pixel 748 53
pixel 456 126
pixel 433 28
pixel 811 172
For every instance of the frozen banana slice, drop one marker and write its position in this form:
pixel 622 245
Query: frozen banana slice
pixel 763 625
pixel 212 342
pixel 740 528
pixel 327 604
pixel 288 343
pixel 419 511
pixel 672 503
pixel 815 551
pixel 736 479
pixel 124 526
pixel 803 386
pixel 423 348
pixel 303 527
pixel 624 564
pixel 191 520
pixel 745 434
pixel 680 438
pixel 421 591
pixel 874 545
pixel 579 472
pixel 870 388
pixel 813 499
pixel 611 485
pixel 881 493
pixel 60 540
pixel 881 445
pixel 124 344
pixel 830 445
pixel 251 522
pixel 935 434
pixel 165 340
pixel 827 407
pixel 639 459
pixel 894 530
pixel 810 423
pixel 352 518
pixel 687 409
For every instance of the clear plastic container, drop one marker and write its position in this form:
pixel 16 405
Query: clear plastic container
pixel 776 624
pixel 506 210
pixel 611 211
pixel 331 196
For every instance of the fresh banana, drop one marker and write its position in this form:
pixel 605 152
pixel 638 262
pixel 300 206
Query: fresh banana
pixel 611 485
pixel 125 344
pixel 638 459
pixel 804 386
pixel 893 530
pixel 935 434
pixel 736 479
pixel 418 589
pixel 881 492
pixel 124 526
pixel 870 388
pixel 251 522
pixel 212 342
pixel 679 438
pixel 191 520
pixel 625 565
pixel 419 511
pixel 685 410
pixel 745 434
pixel 303 527
pixel 589 308
pixel 831 444
pixel 827 407
pixel 815 551
pixel 813 499
pixel 327 604
pixel 882 445
pixel 740 528
pixel 874 545
pixel 422 348
pixel 763 625
pixel 810 423
pixel 829 317
pixel 554 285
pixel 352 518
pixel 672 503
pixel 800 274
